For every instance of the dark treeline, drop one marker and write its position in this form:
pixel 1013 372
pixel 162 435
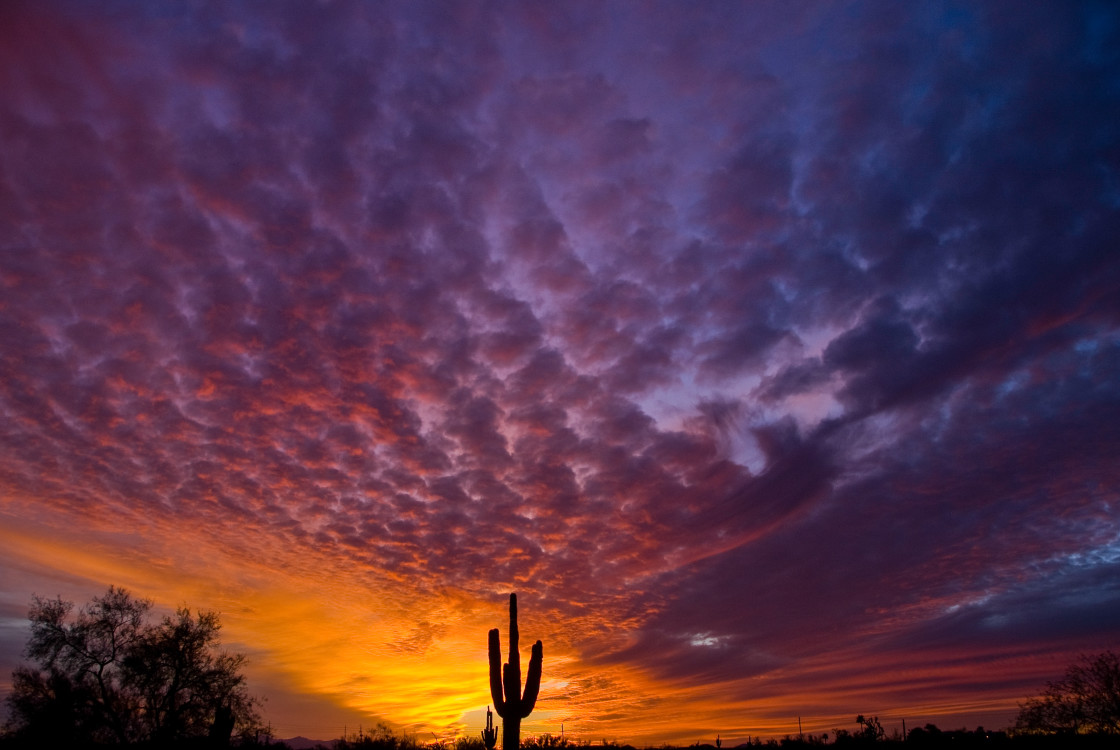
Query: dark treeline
pixel 383 738
pixel 925 737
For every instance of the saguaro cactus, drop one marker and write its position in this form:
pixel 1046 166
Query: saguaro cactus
pixel 505 681
pixel 489 734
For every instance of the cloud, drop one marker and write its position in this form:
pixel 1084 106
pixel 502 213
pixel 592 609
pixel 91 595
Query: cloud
pixel 760 361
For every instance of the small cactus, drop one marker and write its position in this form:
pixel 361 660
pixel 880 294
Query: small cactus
pixel 489 734
pixel 221 729
pixel 505 681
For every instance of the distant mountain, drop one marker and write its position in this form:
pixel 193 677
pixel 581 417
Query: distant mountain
pixel 302 743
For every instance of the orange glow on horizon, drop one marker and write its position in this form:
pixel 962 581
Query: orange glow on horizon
pixel 417 660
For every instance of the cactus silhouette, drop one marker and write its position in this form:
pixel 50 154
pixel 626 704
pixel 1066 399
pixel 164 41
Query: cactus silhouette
pixel 505 681
pixel 489 734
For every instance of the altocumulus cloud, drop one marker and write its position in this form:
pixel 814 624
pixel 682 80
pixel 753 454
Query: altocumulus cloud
pixel 769 346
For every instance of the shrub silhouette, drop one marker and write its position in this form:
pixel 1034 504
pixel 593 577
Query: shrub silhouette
pixel 380 737
pixel 505 681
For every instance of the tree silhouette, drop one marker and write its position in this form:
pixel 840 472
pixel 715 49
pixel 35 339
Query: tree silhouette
pixel 870 728
pixel 108 676
pixel 1085 701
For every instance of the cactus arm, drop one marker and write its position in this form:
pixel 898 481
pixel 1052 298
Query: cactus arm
pixel 532 680
pixel 496 673
pixel 514 640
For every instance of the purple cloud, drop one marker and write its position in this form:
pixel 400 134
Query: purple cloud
pixel 764 346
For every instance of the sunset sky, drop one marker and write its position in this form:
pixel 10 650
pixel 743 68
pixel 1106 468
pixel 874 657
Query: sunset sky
pixel 769 350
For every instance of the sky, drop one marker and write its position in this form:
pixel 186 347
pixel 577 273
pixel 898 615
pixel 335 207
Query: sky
pixel 770 351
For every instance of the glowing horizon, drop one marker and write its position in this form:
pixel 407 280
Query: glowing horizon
pixel 419 665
